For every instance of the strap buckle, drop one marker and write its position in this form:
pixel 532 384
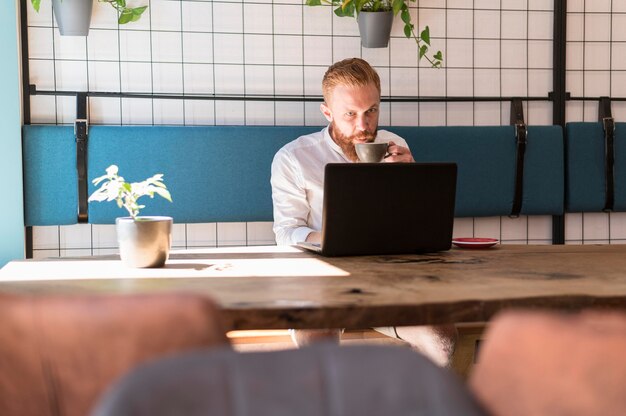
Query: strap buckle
pixel 608 123
pixel 81 128
pixel 521 133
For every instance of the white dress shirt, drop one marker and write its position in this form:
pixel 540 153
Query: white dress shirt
pixel 298 182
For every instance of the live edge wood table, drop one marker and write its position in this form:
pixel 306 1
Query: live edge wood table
pixel 283 287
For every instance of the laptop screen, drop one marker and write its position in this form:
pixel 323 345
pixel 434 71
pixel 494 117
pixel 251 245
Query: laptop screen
pixel 388 208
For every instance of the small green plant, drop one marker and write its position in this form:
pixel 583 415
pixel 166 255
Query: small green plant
pixel 114 187
pixel 352 8
pixel 126 14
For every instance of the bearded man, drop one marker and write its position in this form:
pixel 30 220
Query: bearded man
pixel 351 90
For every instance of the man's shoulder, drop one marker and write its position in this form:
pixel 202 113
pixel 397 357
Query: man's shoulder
pixel 305 141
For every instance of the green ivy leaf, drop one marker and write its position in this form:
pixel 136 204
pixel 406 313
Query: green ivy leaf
pixel 359 5
pixel 407 30
pixel 137 12
pixel 438 56
pixel 349 8
pixel 313 2
pixel 36 4
pixel 425 35
pixel 347 11
pixel 398 5
pixel 406 17
pixel 125 17
pixel 423 50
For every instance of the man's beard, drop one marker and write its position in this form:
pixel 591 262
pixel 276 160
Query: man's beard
pixel 346 143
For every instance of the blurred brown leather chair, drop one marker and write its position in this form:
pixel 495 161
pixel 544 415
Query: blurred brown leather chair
pixel 542 363
pixel 59 353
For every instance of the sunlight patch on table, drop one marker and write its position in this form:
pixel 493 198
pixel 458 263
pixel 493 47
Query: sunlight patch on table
pixel 174 268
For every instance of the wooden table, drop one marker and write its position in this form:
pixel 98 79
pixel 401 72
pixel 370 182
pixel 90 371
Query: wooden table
pixel 275 287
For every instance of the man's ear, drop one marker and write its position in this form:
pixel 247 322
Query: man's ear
pixel 326 111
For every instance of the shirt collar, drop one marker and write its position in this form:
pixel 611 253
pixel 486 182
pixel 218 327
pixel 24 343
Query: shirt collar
pixel 329 140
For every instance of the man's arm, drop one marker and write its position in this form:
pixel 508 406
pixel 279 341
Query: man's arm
pixel 291 207
pixel 314 237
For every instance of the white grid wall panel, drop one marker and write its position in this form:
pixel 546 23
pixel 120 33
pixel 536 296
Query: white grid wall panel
pixel 283 47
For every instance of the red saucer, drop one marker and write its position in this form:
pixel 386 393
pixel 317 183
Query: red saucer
pixel 475 242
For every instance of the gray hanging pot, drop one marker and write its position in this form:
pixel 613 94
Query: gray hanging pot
pixel 375 28
pixel 73 16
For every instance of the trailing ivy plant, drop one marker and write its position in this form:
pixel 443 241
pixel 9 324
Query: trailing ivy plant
pixel 126 14
pixel 352 8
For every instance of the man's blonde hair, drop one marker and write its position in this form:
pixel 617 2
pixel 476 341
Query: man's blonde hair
pixel 352 72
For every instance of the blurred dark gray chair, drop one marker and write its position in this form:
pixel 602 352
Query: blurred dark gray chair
pixel 320 380
pixel 59 353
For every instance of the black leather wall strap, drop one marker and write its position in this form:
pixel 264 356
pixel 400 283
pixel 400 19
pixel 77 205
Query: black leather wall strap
pixel 81 130
pixel 521 133
pixel 608 123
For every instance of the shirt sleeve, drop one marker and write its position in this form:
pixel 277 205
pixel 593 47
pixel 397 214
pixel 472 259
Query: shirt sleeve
pixel 389 136
pixel 291 207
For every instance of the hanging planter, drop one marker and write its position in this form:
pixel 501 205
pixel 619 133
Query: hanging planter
pixel 73 16
pixel 369 9
pixel 375 28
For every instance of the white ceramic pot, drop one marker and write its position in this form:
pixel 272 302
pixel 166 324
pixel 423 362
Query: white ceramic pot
pixel 145 241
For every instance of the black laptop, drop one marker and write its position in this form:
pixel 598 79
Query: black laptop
pixel 387 208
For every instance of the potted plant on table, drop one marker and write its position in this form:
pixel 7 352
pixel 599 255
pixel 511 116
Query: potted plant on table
pixel 74 16
pixel 144 241
pixel 375 18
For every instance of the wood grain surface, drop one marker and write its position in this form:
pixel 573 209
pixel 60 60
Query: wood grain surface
pixel 274 287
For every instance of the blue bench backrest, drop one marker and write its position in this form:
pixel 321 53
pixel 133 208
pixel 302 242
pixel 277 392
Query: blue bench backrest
pixel 585 189
pixel 485 156
pixel 213 173
pixel 221 173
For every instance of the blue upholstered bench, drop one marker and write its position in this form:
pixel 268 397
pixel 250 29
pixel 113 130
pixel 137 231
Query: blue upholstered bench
pixel 586 179
pixel 221 173
pixel 486 166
